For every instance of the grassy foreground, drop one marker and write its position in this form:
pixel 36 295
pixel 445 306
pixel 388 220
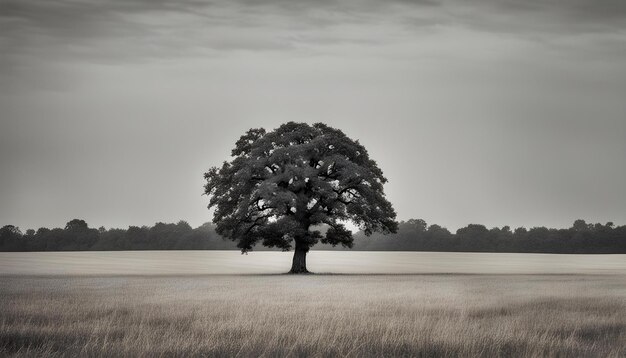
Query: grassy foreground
pixel 318 315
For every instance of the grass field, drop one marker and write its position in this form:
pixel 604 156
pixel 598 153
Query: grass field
pixel 317 315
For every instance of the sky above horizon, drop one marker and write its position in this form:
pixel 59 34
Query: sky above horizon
pixel 493 112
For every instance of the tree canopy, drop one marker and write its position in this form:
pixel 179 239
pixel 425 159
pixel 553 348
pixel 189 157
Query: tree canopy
pixel 283 184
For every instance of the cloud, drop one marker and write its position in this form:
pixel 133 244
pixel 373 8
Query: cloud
pixel 537 17
pixel 123 31
pixel 458 83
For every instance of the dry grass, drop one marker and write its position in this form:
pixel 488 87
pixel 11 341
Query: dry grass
pixel 319 315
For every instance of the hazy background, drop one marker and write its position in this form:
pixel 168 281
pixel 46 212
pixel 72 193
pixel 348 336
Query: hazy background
pixel 498 112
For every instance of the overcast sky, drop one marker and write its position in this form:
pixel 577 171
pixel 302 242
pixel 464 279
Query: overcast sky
pixel 500 112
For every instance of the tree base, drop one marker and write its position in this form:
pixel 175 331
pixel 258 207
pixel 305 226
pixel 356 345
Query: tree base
pixel 299 272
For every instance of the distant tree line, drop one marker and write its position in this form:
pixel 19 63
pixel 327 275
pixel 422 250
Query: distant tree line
pixel 413 235
pixel 581 238
pixel 78 236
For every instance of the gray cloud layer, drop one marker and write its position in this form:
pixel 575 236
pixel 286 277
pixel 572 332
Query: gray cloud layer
pixel 495 111
pixel 138 30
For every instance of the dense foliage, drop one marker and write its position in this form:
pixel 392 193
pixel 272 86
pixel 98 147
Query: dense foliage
pixel 78 236
pixel 281 185
pixel 416 235
pixel 413 235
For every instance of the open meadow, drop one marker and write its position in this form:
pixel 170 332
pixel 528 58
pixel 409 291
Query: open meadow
pixel 442 312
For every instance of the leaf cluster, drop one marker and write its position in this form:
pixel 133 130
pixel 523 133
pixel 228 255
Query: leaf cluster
pixel 281 183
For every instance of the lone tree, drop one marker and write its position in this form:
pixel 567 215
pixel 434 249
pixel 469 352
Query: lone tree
pixel 285 184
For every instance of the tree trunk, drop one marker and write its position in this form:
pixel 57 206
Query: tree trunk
pixel 299 260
